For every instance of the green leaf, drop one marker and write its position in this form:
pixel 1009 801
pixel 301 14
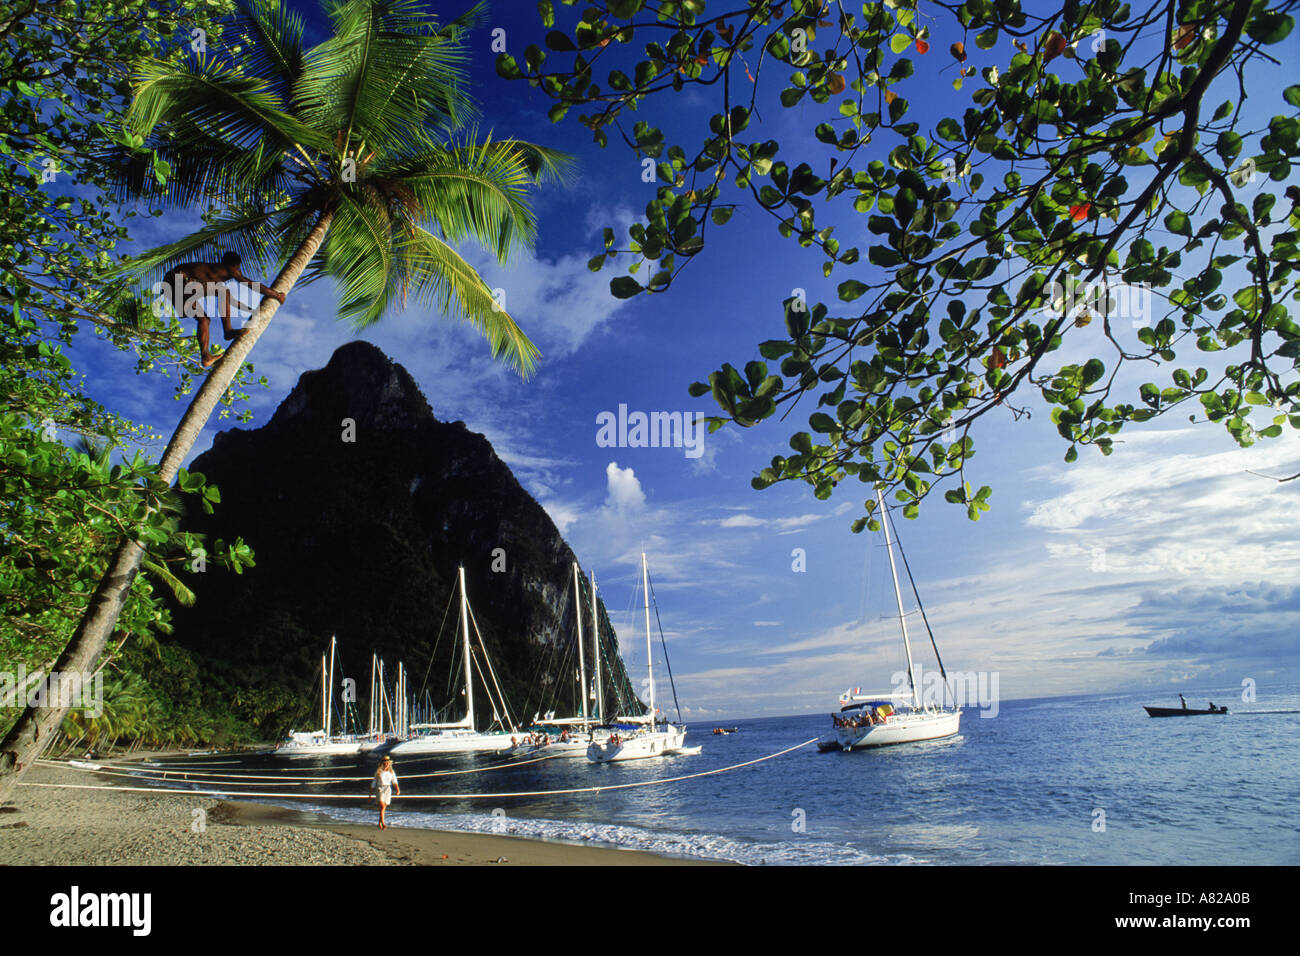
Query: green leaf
pixel 625 287
pixel 1271 26
pixel 949 129
pixel 850 290
pixel 821 422
pixel 1179 223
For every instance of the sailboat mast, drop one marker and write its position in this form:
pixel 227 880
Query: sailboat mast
pixel 595 647
pixel 582 661
pixel 649 654
pixel 324 690
pixel 469 674
pixel 329 712
pixel 370 725
pixel 898 596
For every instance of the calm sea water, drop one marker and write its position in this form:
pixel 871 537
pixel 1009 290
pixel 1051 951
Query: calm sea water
pixel 1029 786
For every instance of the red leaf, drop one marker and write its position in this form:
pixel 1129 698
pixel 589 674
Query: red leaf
pixel 1053 47
pixel 922 47
pixel 1080 212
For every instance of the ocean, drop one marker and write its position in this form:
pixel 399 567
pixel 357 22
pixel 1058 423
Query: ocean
pixel 1077 780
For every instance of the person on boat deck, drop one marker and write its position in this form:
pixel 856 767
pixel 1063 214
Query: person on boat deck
pixel 384 786
pixel 1212 707
pixel 1184 700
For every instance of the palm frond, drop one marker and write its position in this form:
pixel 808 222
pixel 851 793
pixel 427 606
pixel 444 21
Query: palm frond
pixel 477 191
pixel 223 133
pixel 439 275
pixel 271 36
pixel 217 97
pixel 545 164
pixel 250 233
pixel 386 74
pixel 184 596
pixel 359 254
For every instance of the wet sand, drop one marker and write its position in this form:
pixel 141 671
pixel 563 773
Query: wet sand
pixel 45 826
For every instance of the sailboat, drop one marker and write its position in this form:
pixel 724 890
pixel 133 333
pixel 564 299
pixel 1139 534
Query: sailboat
pixel 377 738
pixel 655 739
pixel 574 734
pixel 320 743
pixel 460 736
pixel 877 720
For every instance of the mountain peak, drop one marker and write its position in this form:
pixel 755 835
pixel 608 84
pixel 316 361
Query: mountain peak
pixel 359 382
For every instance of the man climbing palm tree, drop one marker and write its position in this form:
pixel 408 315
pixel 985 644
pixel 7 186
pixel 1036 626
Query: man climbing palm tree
pixel 188 284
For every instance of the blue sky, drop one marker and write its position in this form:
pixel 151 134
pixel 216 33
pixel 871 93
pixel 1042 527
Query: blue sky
pixel 1167 566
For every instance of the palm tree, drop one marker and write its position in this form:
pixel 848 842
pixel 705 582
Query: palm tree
pixel 352 160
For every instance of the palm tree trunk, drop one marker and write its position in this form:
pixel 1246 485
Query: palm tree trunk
pixel 35 728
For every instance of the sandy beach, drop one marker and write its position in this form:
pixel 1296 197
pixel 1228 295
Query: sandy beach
pixel 46 825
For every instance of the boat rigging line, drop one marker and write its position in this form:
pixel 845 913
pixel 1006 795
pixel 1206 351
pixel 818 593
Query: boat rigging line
pixel 664 644
pixel 129 771
pixel 921 607
pixel 434 796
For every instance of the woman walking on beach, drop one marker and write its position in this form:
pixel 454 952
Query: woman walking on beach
pixel 384 787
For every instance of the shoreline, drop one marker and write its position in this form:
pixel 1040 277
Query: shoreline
pixel 49 825
pixel 420 846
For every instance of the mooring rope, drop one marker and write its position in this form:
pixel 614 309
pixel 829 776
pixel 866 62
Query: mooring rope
pixel 272 777
pixel 434 796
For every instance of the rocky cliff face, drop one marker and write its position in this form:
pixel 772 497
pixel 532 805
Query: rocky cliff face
pixel 360 505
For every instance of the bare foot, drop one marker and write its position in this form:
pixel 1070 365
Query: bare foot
pixel 210 360
pixel 231 336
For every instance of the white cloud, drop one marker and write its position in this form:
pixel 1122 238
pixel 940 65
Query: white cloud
pixel 781 525
pixel 741 521
pixel 557 301
pixel 1157 509
pixel 625 493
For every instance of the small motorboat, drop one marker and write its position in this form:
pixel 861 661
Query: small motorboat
pixel 725 730
pixel 1181 711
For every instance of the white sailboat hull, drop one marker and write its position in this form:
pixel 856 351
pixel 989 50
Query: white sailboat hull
pixel 570 748
pixel 317 749
pixel 901 728
pixel 452 742
pixel 575 748
pixel 640 746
